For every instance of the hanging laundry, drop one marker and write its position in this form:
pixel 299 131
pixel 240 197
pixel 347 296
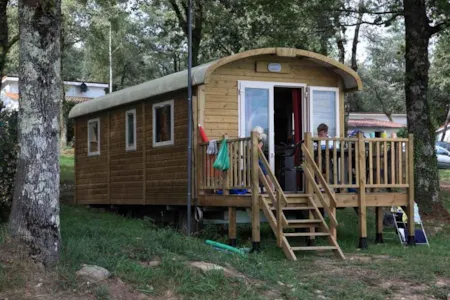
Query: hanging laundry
pixel 212 148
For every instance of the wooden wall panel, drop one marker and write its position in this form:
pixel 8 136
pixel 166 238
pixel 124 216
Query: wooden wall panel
pixel 91 172
pixel 221 92
pixel 127 169
pixel 166 166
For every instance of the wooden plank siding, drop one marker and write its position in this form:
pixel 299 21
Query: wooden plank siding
pixel 166 166
pixel 91 172
pixel 221 110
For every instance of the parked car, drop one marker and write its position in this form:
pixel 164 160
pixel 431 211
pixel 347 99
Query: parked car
pixel 444 145
pixel 443 157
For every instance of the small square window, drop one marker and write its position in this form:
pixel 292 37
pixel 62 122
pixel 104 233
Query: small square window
pixel 163 124
pixel 94 137
pixel 130 130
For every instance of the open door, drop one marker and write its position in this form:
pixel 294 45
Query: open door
pixel 256 109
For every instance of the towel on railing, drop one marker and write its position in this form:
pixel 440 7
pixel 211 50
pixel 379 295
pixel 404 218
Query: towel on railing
pixel 212 147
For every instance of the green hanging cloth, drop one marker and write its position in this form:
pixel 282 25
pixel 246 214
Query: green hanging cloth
pixel 222 161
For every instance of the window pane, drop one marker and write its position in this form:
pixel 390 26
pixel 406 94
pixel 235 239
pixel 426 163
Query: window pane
pixel 324 111
pixel 130 120
pixel 256 109
pixel 163 124
pixel 93 136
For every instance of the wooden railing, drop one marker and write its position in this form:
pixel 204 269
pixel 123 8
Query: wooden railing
pixel 343 162
pixel 238 176
pixel 385 162
pixel 312 171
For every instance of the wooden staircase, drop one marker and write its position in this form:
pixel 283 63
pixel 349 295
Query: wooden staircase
pixel 312 221
pixel 277 208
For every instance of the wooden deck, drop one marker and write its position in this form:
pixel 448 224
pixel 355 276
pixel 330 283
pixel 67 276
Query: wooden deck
pixel 378 199
pixel 340 172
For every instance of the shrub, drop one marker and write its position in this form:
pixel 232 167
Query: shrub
pixel 402 133
pixel 8 160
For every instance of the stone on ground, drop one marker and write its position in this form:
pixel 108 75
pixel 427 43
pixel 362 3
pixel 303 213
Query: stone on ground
pixel 93 273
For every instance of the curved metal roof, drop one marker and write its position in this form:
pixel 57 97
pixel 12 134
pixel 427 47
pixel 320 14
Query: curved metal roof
pixel 200 75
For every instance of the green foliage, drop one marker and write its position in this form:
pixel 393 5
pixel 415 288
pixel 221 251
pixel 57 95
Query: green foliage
pixel 8 160
pixel 402 133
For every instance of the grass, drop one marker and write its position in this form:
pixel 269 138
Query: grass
pixel 121 245
pixel 67 163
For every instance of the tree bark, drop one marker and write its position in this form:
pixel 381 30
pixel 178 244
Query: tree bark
pixel 354 63
pixel 4 39
pixel 417 36
pixel 34 217
pixel 341 47
pixel 197 27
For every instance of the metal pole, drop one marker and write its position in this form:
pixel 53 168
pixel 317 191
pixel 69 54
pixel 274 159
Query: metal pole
pixel 189 117
pixel 110 59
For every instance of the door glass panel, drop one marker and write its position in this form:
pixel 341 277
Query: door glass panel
pixel 256 110
pixel 324 111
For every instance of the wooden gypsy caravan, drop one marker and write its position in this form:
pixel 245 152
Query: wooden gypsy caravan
pixel 131 148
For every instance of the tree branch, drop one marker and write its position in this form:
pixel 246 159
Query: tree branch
pixel 438 27
pixel 11 43
pixel 378 23
pixel 181 20
pixel 398 12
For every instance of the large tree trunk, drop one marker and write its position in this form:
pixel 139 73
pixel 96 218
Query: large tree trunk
pixel 417 35
pixel 4 40
pixel 35 213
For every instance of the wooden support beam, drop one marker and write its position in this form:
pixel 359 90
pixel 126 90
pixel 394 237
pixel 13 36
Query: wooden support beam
pixel 232 225
pixel 362 211
pixel 256 234
pixel 144 155
pixel 108 142
pixel 379 220
pixel 411 227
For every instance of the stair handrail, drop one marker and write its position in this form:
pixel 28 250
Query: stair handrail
pixel 311 169
pixel 272 177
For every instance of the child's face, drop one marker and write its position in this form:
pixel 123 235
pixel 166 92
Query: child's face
pixel 323 133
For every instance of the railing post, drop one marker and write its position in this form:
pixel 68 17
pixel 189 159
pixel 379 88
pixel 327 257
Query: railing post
pixel 309 188
pixel 279 220
pixel 362 211
pixel 225 181
pixel 232 226
pixel 411 225
pixel 256 235
pixel 309 145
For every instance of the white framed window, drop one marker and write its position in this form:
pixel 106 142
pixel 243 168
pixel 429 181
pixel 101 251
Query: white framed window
pixel 163 124
pixel 94 137
pixel 324 108
pixel 130 130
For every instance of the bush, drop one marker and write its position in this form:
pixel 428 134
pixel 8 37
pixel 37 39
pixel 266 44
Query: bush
pixel 402 133
pixel 8 160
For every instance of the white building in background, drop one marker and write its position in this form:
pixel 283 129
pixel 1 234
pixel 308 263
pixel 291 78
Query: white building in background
pixel 376 123
pixel 76 92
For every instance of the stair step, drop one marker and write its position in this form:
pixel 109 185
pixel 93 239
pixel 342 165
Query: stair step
pixel 306 234
pixel 297 195
pixel 295 208
pixel 305 221
pixel 313 248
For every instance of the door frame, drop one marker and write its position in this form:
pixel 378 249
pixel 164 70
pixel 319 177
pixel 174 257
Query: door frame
pixel 242 84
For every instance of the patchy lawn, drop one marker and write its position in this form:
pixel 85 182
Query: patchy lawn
pixel 148 262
